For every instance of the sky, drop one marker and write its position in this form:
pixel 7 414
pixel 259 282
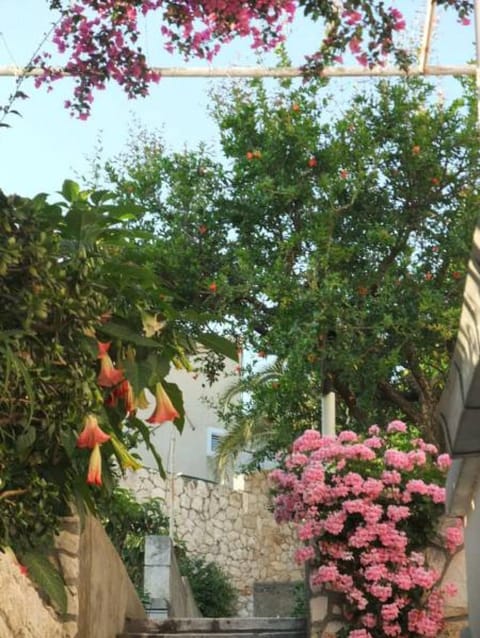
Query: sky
pixel 46 145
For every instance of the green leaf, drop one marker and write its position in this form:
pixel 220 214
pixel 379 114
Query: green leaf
pixel 124 212
pixel 219 344
pixel 127 334
pixel 138 373
pixel 100 196
pixel 146 432
pixel 26 440
pixel 159 366
pixel 70 190
pixel 147 372
pixel 49 580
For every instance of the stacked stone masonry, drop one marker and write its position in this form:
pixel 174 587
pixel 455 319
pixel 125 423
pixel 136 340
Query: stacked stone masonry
pixel 23 612
pixel 236 529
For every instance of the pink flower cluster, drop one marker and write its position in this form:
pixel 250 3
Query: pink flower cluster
pixel 102 37
pixel 363 507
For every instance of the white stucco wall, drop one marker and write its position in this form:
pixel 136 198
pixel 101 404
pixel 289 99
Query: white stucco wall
pixel 187 453
pixel 472 546
pixel 463 499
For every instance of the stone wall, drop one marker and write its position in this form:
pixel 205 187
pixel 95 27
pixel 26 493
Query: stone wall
pixel 67 556
pixel 100 596
pixel 231 527
pixel 22 611
pixel 326 609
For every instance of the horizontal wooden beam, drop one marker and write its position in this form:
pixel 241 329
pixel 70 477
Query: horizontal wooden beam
pixel 273 72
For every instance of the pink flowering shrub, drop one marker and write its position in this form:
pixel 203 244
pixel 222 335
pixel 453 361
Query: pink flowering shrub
pixel 101 38
pixel 366 507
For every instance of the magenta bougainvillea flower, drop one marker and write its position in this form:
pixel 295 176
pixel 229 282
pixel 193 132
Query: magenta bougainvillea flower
pixel 101 39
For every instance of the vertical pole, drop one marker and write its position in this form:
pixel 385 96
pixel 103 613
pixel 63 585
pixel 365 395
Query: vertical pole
pixel 477 61
pixel 427 36
pixel 171 463
pixel 328 414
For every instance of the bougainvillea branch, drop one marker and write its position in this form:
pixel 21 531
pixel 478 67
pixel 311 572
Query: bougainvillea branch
pixel 101 38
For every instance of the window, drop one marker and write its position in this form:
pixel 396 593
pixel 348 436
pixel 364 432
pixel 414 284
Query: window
pixel 213 439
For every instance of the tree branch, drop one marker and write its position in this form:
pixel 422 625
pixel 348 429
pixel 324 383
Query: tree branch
pixel 417 373
pixel 348 397
pixel 10 493
pixel 389 393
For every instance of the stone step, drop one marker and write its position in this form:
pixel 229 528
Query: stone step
pixel 220 627
pixel 243 634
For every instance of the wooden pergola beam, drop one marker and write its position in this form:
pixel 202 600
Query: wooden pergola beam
pixel 275 72
pixel 427 35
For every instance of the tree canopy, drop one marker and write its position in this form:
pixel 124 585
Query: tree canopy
pixel 336 243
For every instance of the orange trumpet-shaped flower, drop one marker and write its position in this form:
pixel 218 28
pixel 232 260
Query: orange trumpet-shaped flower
pixel 92 434
pixel 108 376
pixel 94 476
pixel 103 348
pixel 164 410
pixel 125 392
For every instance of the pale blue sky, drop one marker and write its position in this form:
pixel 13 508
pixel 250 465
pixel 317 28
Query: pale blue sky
pixel 46 145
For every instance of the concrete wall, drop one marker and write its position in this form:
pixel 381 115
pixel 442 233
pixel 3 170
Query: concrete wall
pixel 106 594
pixel 233 528
pixel 23 611
pixel 270 599
pixel 170 594
pixel 463 499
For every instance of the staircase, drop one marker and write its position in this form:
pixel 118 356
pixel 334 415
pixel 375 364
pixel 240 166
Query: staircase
pixel 216 628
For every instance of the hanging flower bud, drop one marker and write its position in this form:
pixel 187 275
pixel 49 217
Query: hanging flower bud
pixel 103 348
pixel 124 391
pixel 141 401
pixel 94 476
pixel 126 460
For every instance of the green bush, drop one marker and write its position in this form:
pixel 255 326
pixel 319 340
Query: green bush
pixel 300 608
pixel 213 592
pixel 127 521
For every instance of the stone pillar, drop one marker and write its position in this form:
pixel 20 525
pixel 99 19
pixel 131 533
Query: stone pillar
pixel 324 611
pixel 158 556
